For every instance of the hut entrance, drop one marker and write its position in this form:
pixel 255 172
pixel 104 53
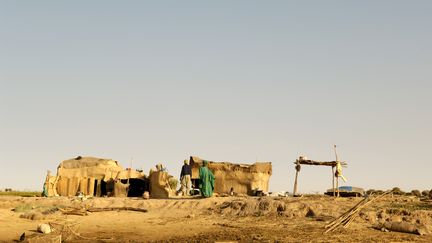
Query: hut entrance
pixel 103 188
pixel 137 187
pixel 100 188
pixel 95 188
pixel 195 183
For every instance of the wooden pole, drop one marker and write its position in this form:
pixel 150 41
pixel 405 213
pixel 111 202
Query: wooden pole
pixel 335 153
pixel 295 184
pixel 297 167
pixel 337 185
pixel 333 182
pixel 337 176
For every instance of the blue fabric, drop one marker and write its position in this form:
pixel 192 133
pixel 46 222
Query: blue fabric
pixel 346 188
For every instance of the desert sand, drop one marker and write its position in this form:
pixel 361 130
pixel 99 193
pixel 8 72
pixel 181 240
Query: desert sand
pixel 234 219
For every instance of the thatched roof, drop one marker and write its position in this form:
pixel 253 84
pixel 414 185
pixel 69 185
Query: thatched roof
pixel 89 167
pixel 82 162
pixel 257 167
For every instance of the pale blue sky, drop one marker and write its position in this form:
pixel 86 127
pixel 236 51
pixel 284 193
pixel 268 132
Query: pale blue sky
pixel 224 80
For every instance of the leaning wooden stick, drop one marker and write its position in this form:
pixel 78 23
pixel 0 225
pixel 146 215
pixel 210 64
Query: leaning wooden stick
pixel 83 211
pixel 346 218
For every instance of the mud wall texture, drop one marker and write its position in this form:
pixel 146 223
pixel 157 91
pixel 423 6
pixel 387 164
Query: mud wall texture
pixel 159 184
pixel 242 178
pixel 88 175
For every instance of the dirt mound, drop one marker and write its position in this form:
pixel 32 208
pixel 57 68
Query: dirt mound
pixel 269 207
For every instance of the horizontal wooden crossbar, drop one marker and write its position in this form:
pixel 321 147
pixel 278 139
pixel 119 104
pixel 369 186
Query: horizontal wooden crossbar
pixel 325 163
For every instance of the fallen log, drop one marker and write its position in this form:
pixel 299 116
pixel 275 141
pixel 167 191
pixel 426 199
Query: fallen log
pixel 85 211
pixel 92 210
pixel 404 227
pixel 73 211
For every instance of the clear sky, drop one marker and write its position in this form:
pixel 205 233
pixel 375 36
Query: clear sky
pixel 225 80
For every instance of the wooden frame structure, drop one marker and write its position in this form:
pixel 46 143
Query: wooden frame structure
pixel 335 175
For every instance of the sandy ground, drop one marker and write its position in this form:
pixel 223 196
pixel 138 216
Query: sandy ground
pixel 238 219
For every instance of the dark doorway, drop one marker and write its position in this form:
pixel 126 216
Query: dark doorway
pixel 195 183
pixel 95 188
pixel 137 187
pixel 103 188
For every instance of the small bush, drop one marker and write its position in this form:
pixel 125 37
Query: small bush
pixel 21 194
pixel 23 208
pixel 425 193
pixel 173 182
pixel 398 191
pixel 370 191
pixel 416 193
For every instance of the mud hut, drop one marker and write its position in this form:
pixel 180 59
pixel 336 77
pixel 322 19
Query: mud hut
pixel 95 177
pixel 239 178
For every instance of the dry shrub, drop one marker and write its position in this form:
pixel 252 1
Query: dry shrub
pixel 23 208
pixel 370 191
pixel 268 207
pixel 264 205
pixel 398 191
pixel 173 182
pixel 416 193
pixel 32 216
pixel 425 193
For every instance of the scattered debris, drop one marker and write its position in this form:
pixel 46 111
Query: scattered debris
pixel 32 216
pixel 45 238
pixel 278 194
pixel 68 231
pixel 22 237
pixel 44 228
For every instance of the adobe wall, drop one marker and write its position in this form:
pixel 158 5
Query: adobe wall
pixel 243 178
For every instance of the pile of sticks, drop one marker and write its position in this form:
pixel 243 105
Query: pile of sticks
pixel 345 219
pixel 69 231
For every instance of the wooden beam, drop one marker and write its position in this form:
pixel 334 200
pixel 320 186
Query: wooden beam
pixel 324 163
pixel 337 185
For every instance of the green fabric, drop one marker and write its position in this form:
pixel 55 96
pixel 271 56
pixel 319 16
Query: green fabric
pixel 206 181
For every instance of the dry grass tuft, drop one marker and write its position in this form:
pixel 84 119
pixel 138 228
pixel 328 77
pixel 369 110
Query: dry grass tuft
pixel 21 193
